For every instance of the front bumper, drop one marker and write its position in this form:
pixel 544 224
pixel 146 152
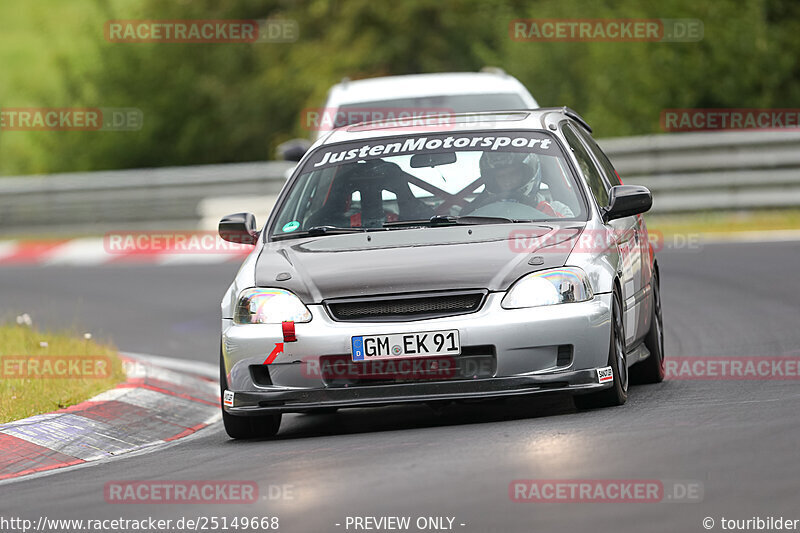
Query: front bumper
pixel 523 353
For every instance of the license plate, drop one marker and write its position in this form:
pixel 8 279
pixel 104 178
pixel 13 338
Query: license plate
pixel 424 344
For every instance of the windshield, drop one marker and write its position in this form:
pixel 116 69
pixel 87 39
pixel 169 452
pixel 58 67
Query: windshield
pixel 381 183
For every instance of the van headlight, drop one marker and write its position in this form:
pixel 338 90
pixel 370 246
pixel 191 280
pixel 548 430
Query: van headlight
pixel 549 287
pixel 269 306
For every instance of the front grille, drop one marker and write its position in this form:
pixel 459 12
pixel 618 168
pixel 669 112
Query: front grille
pixel 406 307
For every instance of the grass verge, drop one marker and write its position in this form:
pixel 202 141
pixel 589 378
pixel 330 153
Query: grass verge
pixel 725 222
pixel 42 372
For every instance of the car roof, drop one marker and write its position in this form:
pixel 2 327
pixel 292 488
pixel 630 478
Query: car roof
pixel 418 85
pixel 536 119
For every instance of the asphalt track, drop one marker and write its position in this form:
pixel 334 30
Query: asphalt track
pixel 740 439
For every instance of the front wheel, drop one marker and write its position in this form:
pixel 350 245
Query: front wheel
pixel 246 427
pixel 617 394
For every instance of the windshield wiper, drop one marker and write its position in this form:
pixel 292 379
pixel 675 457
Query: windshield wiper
pixel 319 230
pixel 326 230
pixel 448 220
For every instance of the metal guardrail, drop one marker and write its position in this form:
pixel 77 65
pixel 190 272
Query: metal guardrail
pixel 720 170
pixel 140 198
pixel 685 172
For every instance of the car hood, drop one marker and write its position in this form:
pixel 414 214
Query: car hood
pixel 411 260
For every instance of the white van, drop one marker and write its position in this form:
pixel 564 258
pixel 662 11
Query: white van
pixel 350 102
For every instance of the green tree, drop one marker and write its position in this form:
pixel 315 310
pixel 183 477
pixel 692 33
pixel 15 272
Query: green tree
pixel 208 103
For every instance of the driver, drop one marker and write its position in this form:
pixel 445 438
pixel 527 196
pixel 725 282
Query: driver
pixel 515 177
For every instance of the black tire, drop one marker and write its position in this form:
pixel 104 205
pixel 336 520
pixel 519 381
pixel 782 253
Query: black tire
pixel 652 369
pixel 617 394
pixel 246 427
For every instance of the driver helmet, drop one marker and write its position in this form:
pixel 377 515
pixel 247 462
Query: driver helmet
pixel 511 173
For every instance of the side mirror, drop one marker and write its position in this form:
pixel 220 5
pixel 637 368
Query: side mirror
pixel 627 200
pixel 293 150
pixel 239 228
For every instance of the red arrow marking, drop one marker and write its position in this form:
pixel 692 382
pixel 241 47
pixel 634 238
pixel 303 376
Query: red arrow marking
pixel 275 351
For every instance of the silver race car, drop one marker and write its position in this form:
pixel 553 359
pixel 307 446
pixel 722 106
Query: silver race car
pixel 457 257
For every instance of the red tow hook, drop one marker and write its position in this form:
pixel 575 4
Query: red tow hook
pixel 288 331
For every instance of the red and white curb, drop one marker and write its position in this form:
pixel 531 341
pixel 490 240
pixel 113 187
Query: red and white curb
pixel 162 400
pixel 94 251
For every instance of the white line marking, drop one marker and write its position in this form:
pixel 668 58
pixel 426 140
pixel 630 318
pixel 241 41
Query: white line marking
pixel 82 252
pixel 196 367
pixel 7 248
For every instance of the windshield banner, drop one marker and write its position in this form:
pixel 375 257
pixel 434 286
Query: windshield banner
pixel 499 141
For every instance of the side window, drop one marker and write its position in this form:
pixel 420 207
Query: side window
pixel 588 168
pixel 600 156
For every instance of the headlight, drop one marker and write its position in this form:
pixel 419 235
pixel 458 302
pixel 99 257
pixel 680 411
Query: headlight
pixel 549 287
pixel 269 306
